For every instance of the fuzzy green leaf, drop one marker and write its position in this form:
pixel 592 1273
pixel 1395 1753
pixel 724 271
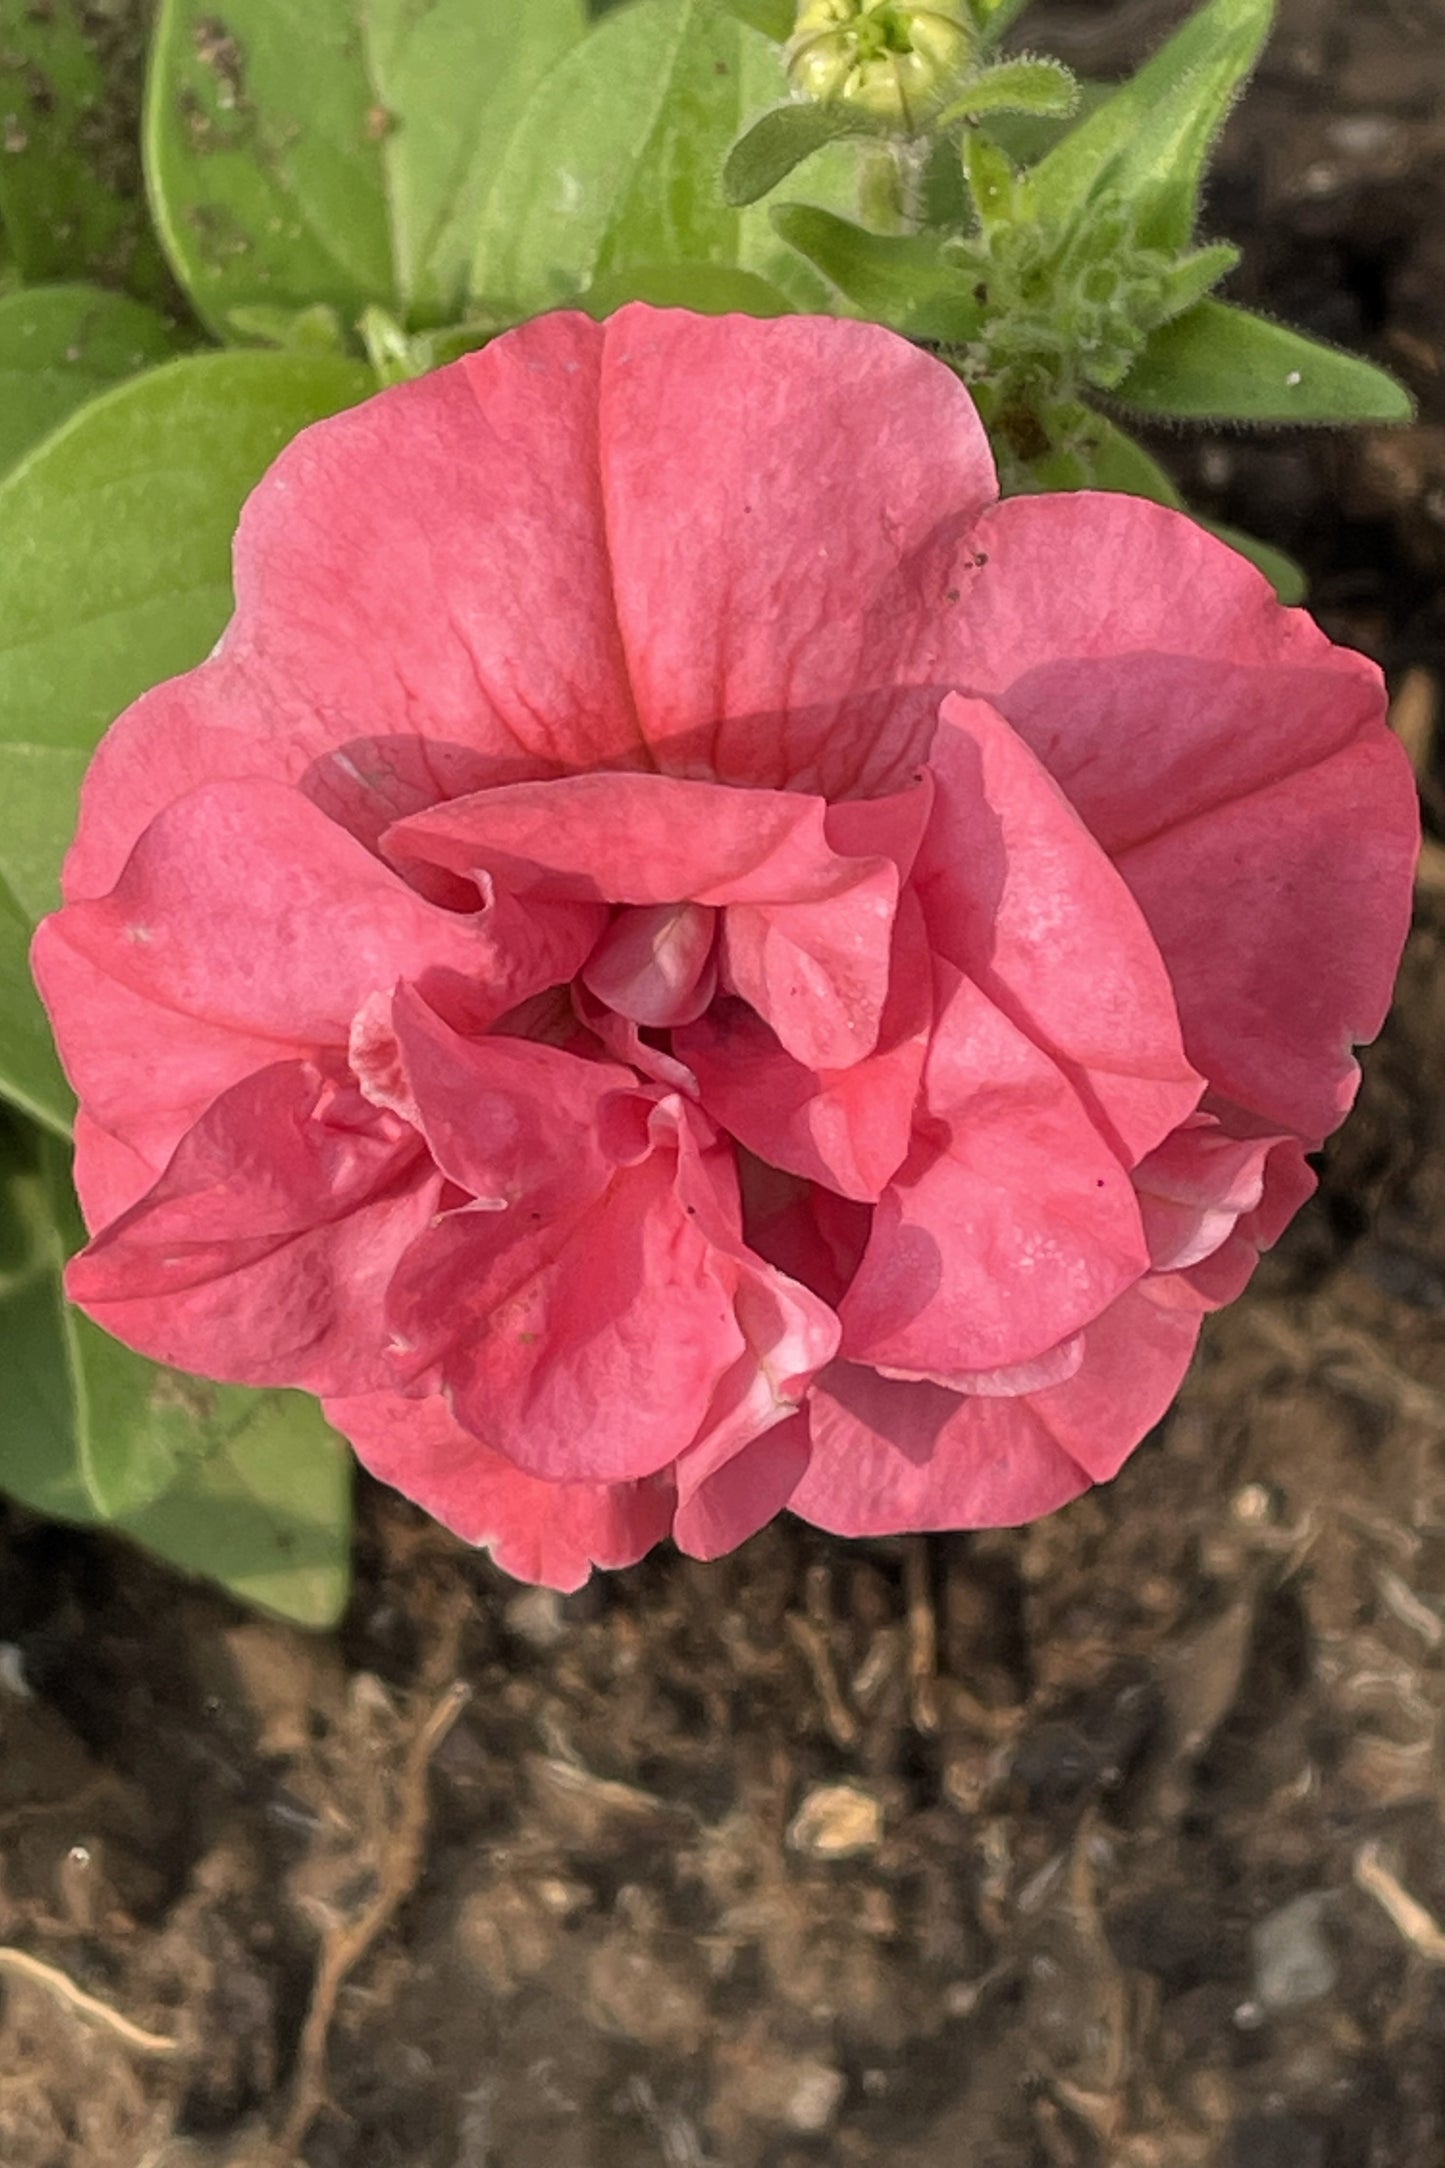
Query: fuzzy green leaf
pixel 1150 141
pixel 1217 362
pixel 908 281
pixel 1044 88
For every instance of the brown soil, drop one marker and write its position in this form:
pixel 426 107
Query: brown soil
pixel 1111 1843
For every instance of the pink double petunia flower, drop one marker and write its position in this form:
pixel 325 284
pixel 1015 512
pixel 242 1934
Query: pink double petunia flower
pixel 681 959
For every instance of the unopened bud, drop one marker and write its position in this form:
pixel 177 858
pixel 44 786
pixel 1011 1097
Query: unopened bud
pixel 897 62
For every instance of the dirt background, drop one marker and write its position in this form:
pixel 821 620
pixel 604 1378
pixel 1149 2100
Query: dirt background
pixel 1111 1843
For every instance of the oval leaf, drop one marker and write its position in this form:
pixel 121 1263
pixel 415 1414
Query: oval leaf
pixel 1221 363
pixel 614 167
pixel 339 153
pixel 251 1489
pixel 59 347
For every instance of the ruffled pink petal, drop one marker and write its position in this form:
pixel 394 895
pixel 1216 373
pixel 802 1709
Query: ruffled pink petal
pixel 725 1497
pixel 638 839
pixel 787 502
pixel 889 1455
pixel 1020 897
pixel 592 1345
pixel 817 972
pixel 263 1253
pixel 522 1127
pixel 246 927
pixel 1281 916
pixel 1011 1225
pixel 1289 1182
pixel 552 1533
pixel 1195 1187
pixel 848 1128
pixel 655 965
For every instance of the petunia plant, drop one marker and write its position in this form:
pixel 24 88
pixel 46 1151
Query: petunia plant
pixel 709 914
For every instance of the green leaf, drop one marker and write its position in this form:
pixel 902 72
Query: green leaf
pixel 1149 142
pixel 266 1512
pixel 993 185
pixel 59 347
pixel 1289 580
pixel 1028 137
pixel 39 786
pixel 117 575
pixel 772 18
pixel 70 181
pixel 1103 456
pixel 1220 362
pixel 30 1074
pixel 615 164
pixel 782 139
pixel 1189 278
pixel 706 289
pixel 117 569
pixel 250 1488
pixel 338 153
pixel 1041 87
pixel 910 281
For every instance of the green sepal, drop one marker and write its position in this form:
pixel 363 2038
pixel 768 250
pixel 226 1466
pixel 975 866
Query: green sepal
pixel 1221 363
pixel 1044 88
pixel 993 183
pixel 782 139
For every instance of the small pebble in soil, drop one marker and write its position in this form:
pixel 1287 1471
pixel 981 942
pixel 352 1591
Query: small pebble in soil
pixel 837 1821
pixel 1293 1963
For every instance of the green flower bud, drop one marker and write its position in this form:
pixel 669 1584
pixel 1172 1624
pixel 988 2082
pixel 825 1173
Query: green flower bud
pixel 896 62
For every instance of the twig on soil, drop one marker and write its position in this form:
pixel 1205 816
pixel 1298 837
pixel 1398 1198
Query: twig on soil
pixel 922 1637
pixel 1414 718
pixel 345 1943
pixel 1419 1928
pixel 89 2007
pixel 841 1723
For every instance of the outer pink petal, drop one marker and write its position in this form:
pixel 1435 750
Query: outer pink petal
pixel 1281 917
pixel 889 1455
pixel 1150 668
pixel 247 927
pixel 1011 1225
pixel 423 607
pixel 1135 1357
pixel 553 1533
pixel 787 503
pixel 723 1498
pixel 263 1253
pixel 1020 897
